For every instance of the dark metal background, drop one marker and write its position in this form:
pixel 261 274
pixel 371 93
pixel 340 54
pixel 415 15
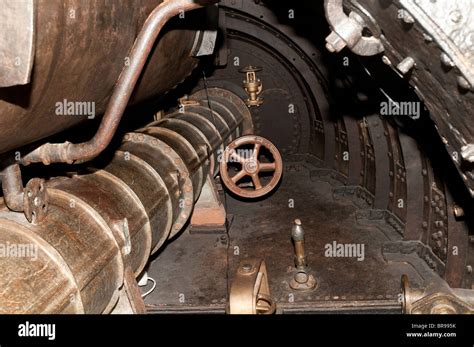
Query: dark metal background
pixel 388 163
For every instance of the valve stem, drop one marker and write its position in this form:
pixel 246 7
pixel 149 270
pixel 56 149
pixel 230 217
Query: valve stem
pixel 297 234
pixel 301 280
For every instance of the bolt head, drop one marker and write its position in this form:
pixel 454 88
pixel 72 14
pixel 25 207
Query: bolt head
pixel 455 16
pixel 334 43
pixel 386 60
pixel 301 277
pixel 405 16
pixel 467 153
pixel 463 83
pixel 447 61
pixel 247 267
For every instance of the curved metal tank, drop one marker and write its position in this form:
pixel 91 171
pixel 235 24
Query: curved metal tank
pixel 81 48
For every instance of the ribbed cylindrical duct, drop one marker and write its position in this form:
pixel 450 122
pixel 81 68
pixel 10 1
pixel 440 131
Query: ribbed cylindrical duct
pixel 106 220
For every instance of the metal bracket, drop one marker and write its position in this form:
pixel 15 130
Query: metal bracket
pixel 347 30
pixel 133 294
pixel 467 153
pixel 250 292
pixel 436 298
pixel 209 212
pixel 35 201
pixel 206 39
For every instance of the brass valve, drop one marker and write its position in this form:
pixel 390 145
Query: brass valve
pixel 253 86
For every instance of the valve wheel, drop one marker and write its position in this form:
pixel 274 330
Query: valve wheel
pixel 249 157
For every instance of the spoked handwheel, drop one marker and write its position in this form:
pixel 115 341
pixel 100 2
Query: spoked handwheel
pixel 256 164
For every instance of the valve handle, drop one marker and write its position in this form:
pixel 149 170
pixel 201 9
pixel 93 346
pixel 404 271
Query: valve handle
pixel 250 164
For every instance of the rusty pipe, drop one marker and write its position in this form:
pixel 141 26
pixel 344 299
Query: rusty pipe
pixel 77 153
pixel 12 186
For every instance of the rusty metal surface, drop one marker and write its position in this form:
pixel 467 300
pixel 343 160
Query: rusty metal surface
pixel 155 211
pixel 120 98
pixel 100 190
pixel 342 281
pixel 380 171
pixel 226 114
pixel 105 221
pixel 17 42
pixel 208 129
pixel 436 80
pixel 190 279
pixel 49 270
pixel 185 151
pixel 264 230
pixel 12 187
pixel 233 102
pixel 351 176
pixel 170 167
pixel 69 41
pixel 133 293
pixel 195 136
pixel 86 247
pixel 213 117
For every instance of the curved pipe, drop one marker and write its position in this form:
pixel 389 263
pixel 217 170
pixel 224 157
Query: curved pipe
pixel 82 152
pixel 12 187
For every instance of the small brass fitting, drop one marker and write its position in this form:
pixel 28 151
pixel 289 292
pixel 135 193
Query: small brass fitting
pixel 302 279
pixel 253 86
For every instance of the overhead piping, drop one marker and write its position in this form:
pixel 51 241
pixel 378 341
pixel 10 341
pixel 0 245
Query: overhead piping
pixel 81 152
